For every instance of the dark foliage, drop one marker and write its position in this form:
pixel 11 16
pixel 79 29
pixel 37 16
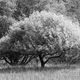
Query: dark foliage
pixel 4 25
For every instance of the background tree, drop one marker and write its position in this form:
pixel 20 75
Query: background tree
pixel 4 25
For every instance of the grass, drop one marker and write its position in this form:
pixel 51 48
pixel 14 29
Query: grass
pixel 57 72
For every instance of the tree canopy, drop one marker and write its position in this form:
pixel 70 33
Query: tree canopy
pixel 45 35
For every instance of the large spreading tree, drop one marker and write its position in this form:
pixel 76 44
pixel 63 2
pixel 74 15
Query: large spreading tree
pixel 44 36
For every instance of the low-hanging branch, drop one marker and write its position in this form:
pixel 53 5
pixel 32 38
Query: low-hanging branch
pixel 57 56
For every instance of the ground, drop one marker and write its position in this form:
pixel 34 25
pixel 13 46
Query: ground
pixel 57 72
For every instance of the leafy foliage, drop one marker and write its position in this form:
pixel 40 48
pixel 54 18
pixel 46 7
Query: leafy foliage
pixel 46 35
pixel 6 8
pixel 4 25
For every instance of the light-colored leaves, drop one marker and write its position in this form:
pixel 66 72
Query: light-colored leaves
pixel 47 31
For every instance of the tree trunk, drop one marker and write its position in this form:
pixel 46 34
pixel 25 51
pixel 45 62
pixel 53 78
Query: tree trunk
pixel 23 61
pixel 42 61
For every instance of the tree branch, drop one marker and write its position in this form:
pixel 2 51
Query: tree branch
pixel 30 58
pixel 52 57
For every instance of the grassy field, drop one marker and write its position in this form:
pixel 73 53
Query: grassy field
pixel 57 72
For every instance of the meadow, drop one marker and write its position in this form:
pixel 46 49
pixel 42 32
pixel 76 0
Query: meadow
pixel 55 72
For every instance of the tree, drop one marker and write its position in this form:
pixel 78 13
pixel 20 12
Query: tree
pixel 44 36
pixel 52 33
pixel 47 36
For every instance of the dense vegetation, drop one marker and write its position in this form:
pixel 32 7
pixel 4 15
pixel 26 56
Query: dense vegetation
pixel 39 29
